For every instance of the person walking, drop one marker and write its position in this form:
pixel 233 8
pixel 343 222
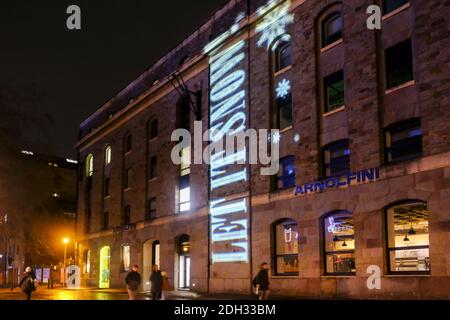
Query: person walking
pixel 133 281
pixel 28 282
pixel 261 282
pixel 157 283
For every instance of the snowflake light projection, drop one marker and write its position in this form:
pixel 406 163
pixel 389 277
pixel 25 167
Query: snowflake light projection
pixel 283 88
pixel 275 21
pixel 276 137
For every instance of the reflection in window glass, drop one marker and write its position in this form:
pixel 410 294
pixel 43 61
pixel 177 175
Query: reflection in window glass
pixel 339 239
pixel 391 5
pixel 286 175
pixel 184 187
pixel 90 165
pixel 408 238
pixel 108 155
pixel 404 141
pixel 399 64
pixel 332 29
pixel 286 250
pixel 334 91
pixel 336 159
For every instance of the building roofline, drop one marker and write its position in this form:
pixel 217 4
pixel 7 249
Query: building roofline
pixel 215 15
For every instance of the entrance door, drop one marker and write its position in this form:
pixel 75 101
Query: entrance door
pixel 105 261
pixel 184 272
pixel 184 263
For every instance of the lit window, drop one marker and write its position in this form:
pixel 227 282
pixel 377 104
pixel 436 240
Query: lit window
pixel 286 248
pixel 90 165
pixel 339 241
pixel 399 64
pixel 126 258
pixel 108 155
pixel 391 5
pixel 336 159
pixel 332 29
pixel 184 187
pixel 286 175
pixel 127 216
pixel 87 261
pixel 409 238
pixel 404 141
pixel 151 210
pixel 334 91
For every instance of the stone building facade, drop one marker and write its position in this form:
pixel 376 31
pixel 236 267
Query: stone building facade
pixel 362 112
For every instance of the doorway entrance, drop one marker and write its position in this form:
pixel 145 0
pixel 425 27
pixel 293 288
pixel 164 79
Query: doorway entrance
pixel 105 262
pixel 151 256
pixel 184 263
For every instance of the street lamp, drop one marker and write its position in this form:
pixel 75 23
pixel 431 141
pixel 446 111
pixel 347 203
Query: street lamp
pixel 65 241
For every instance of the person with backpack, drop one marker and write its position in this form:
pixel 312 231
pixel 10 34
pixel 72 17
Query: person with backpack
pixel 28 282
pixel 133 281
pixel 261 282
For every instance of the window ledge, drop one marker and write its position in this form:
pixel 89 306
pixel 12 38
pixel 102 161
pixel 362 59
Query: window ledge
pixel 331 45
pixel 402 86
pixel 337 110
pixel 285 277
pixel 127 153
pixel 407 275
pixel 396 11
pixel 287 129
pixel 338 277
pixel 152 179
pixel 285 69
pixel 127 189
pixel 107 197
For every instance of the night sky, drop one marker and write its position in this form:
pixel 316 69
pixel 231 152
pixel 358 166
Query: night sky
pixel 51 78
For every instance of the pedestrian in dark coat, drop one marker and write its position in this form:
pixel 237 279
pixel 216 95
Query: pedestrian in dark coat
pixel 157 283
pixel 261 282
pixel 133 281
pixel 28 282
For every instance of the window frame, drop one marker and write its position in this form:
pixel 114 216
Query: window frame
pixel 153 168
pixel 280 177
pixel 126 215
pixel 326 165
pixel 326 107
pixel 387 80
pixel 128 143
pixel 384 7
pixel 90 165
pixel 105 221
pixel 153 129
pixel 108 155
pixel 281 45
pixel 324 23
pixel 126 179
pixel 389 249
pixel 325 253
pixel 151 214
pixel 275 255
pixel 124 269
pixel 405 124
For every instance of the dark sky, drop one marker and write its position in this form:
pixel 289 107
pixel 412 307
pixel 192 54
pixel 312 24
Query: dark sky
pixel 63 76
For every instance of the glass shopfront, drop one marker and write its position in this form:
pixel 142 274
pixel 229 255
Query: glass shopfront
pixel 286 248
pixel 408 238
pixel 339 238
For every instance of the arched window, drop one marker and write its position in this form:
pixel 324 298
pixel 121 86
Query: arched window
pixel 90 165
pixel 286 248
pixel 282 53
pixel 108 155
pixel 153 129
pixel 408 238
pixel 339 242
pixel 331 29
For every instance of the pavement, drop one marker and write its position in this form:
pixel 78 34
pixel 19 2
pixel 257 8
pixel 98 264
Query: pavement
pixel 60 293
